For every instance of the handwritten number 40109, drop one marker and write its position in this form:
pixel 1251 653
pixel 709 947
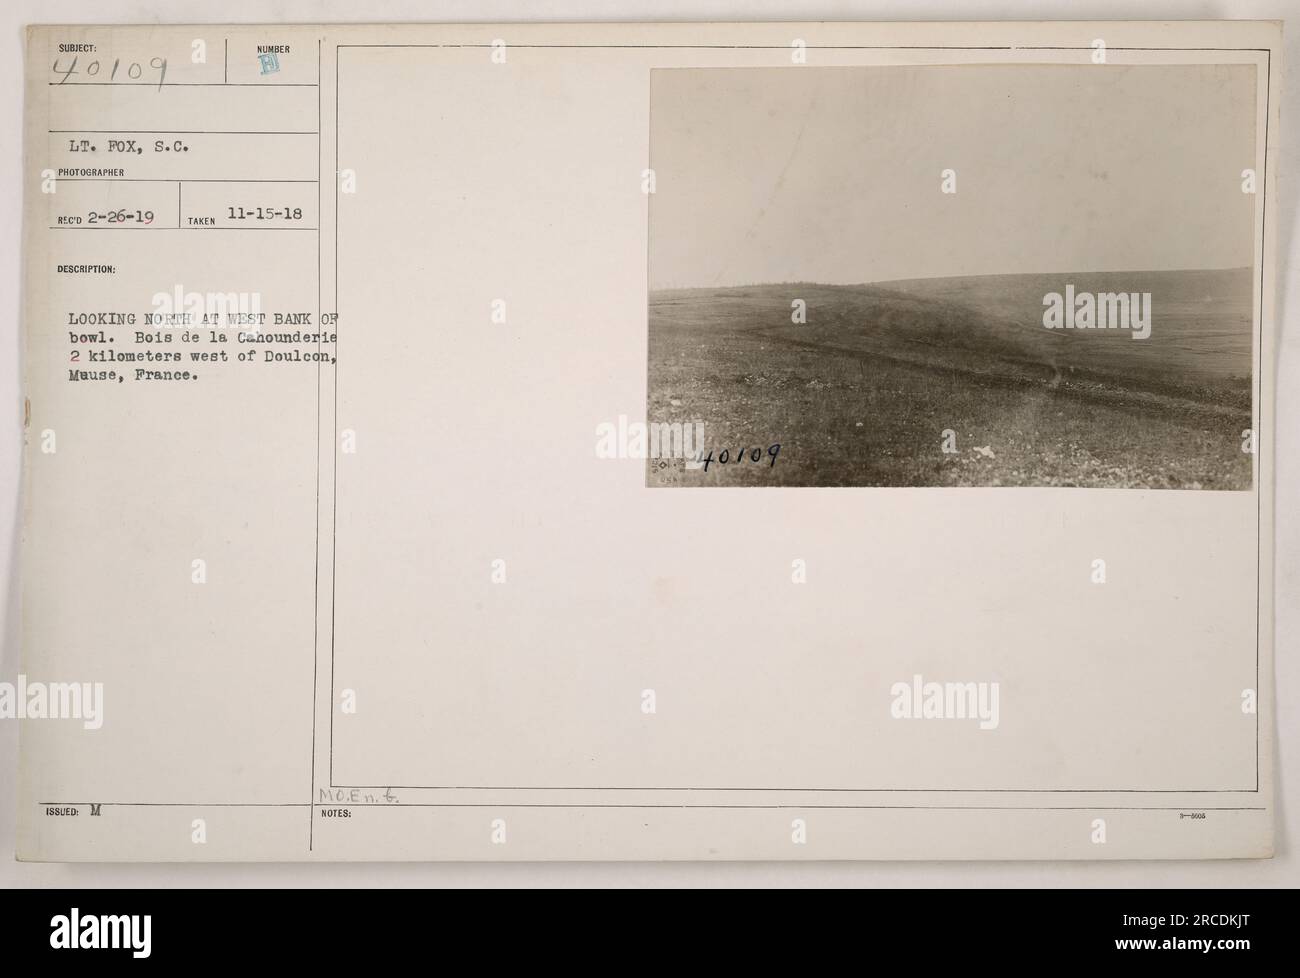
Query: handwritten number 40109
pixel 741 455
pixel 118 72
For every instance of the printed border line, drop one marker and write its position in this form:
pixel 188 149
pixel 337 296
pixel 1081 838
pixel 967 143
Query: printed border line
pixel 185 132
pixel 1258 406
pixel 186 84
pixel 955 808
pixel 810 47
pixel 851 791
pixel 1259 389
pixel 315 604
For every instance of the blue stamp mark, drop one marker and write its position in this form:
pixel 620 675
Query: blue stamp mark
pixel 270 63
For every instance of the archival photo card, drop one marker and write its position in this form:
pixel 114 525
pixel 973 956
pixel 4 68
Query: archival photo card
pixel 953 275
pixel 357 357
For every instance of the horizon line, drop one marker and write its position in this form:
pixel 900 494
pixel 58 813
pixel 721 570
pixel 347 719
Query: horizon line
pixel 933 278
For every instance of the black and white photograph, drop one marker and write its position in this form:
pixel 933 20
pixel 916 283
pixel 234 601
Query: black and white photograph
pixel 957 275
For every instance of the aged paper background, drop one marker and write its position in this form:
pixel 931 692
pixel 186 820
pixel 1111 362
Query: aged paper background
pixel 674 559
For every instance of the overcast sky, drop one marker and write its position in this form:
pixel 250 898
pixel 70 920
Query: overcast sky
pixel 833 174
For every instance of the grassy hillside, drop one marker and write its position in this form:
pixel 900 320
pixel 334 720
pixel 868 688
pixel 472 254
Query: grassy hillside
pixel 860 394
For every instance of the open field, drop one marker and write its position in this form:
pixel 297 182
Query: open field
pixel 861 394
